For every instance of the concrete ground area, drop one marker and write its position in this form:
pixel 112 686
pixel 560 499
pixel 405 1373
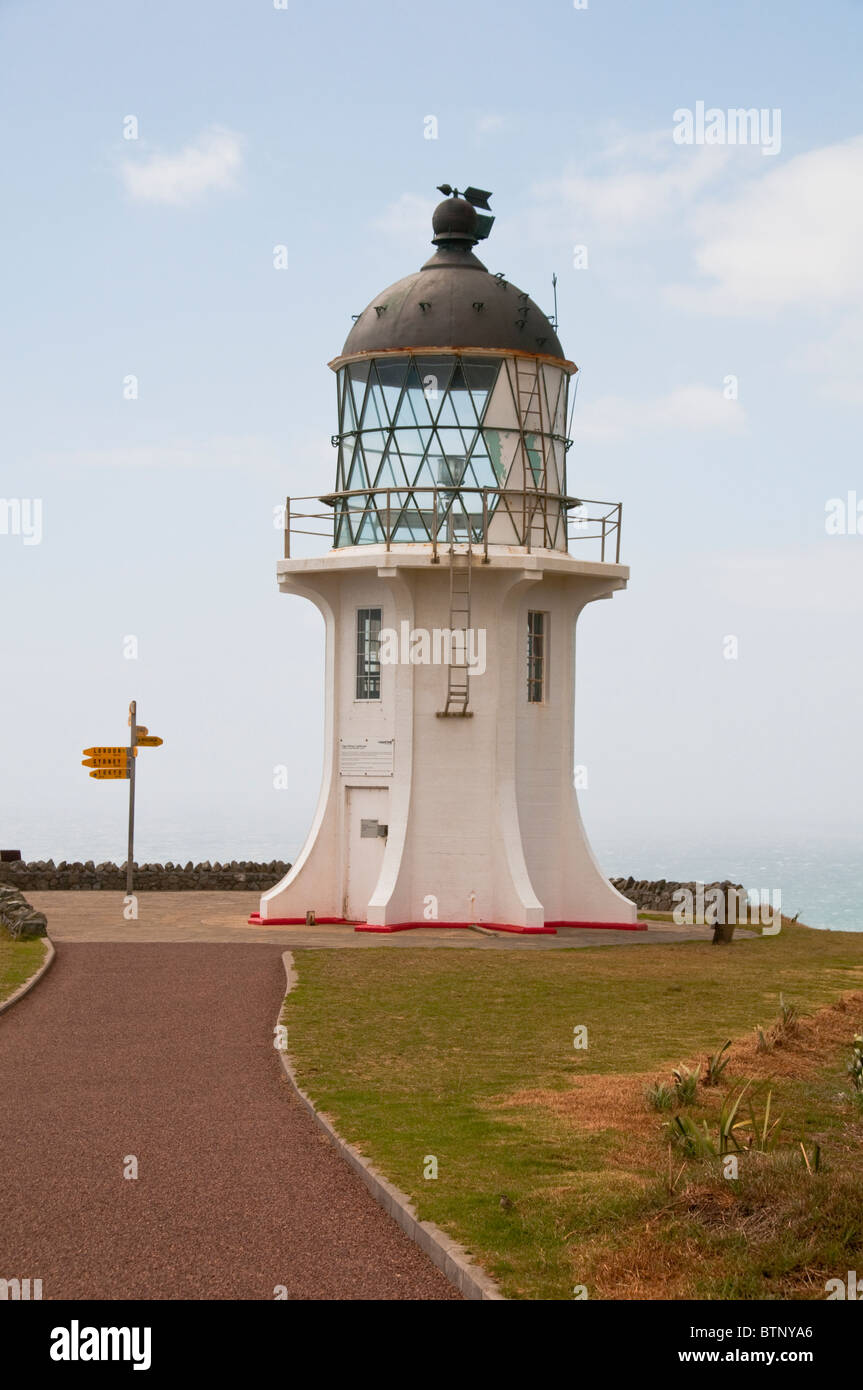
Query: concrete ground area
pixel 223 917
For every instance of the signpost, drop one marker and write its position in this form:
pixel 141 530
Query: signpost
pixel 130 854
pixel 106 757
pixel 117 763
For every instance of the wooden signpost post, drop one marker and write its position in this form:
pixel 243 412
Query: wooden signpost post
pixel 117 763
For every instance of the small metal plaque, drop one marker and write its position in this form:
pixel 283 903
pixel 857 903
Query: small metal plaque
pixel 366 757
pixel 369 829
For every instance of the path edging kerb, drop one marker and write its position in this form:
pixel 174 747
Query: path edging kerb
pixel 34 979
pixel 449 1257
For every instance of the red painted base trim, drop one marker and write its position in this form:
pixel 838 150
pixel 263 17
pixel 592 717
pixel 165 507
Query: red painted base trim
pixel 549 929
pixel 603 926
pixel 432 926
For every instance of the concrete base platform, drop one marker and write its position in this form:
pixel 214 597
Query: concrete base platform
pixel 211 917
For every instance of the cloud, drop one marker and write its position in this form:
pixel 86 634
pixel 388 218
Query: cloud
pixel 650 180
pixel 836 360
pixel 825 578
pixel 790 238
pixel 213 162
pixel 637 180
pixel 611 419
pixel 408 217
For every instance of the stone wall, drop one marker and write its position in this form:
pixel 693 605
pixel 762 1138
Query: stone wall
pixel 658 895
pixel 246 875
pixel 239 875
pixel 17 916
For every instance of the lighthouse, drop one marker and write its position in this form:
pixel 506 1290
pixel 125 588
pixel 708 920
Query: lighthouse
pixel 455 564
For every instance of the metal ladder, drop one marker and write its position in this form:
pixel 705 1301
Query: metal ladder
pixel 529 406
pixel 458 672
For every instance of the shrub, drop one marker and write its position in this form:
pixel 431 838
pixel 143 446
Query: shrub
pixel 716 1065
pixel 692 1139
pixel 686 1084
pixel 659 1096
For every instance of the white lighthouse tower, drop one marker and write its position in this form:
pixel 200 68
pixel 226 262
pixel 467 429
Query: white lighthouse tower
pixel 458 568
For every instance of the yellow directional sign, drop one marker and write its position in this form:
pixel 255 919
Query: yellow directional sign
pixel 111 773
pixel 148 742
pixel 114 751
pixel 107 760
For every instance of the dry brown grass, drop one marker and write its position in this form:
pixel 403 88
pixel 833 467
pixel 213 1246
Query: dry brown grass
pixel 701 1219
pixel 616 1101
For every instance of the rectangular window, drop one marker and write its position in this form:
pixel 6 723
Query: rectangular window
pixel 537 631
pixel 368 653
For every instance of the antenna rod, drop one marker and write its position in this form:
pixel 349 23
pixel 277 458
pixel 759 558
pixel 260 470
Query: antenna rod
pixel 554 287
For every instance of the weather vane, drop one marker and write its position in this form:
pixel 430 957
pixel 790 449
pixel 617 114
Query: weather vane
pixel 478 198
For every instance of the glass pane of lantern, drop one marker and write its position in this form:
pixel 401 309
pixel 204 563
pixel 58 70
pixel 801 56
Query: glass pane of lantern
pixel 391 377
pixel 452 444
pixel 480 377
pixel 347 413
pixel 369 530
pixel 424 471
pixel 342 530
pixel 481 472
pixel 446 415
pixel 434 374
pixel 389 475
pixel 358 375
pixel 357 477
pixel 407 447
pixel 374 441
pixel 416 408
pixel 459 398
pixel 373 455
pixel 375 411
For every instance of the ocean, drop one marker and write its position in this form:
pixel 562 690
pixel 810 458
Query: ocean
pixel 822 881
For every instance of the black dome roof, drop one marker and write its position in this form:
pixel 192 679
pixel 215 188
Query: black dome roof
pixel 453 302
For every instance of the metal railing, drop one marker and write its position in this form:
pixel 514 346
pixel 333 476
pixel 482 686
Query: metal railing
pixel 530 518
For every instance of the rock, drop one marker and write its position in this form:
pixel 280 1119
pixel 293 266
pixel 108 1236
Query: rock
pixel 34 924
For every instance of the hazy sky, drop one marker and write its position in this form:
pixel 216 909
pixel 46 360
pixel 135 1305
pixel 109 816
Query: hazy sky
pixel 306 127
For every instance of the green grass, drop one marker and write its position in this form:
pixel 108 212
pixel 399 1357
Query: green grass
pixel 422 1053
pixel 18 961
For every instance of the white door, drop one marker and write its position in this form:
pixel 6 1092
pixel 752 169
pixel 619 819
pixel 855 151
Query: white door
pixel 366 812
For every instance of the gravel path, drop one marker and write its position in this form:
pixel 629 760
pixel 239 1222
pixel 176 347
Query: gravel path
pixel 165 1052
